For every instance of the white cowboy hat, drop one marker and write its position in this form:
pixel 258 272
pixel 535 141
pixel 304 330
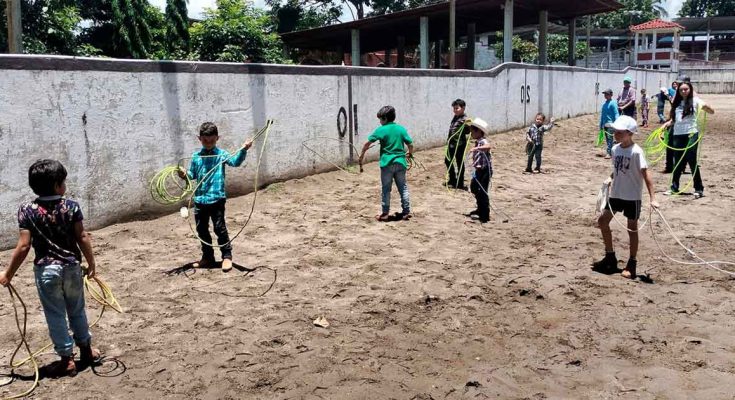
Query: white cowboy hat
pixel 480 124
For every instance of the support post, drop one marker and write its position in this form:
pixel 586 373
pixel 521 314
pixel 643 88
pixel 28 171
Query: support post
pixel 471 45
pixel 587 52
pixel 452 32
pixel 706 51
pixel 609 53
pixel 401 52
pixel 424 42
pixel 355 47
pixel 387 58
pixel 15 27
pixel 508 31
pixel 635 50
pixel 543 52
pixel 572 44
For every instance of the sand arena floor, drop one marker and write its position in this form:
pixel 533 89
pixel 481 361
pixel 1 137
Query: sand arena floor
pixel 432 308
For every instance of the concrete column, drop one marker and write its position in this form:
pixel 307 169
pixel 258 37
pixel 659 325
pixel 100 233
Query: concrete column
pixel 609 52
pixel 543 22
pixel 572 44
pixel 471 45
pixel 15 27
pixel 355 47
pixel 655 40
pixel 587 52
pixel 508 32
pixel 706 51
pixel 424 42
pixel 635 50
pixel 452 32
pixel 401 52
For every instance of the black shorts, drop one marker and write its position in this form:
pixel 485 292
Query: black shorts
pixel 631 208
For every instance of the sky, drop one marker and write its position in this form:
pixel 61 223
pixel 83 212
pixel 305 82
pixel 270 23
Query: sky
pixel 197 6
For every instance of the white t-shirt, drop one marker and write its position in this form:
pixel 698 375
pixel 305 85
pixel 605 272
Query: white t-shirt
pixel 627 177
pixel 687 125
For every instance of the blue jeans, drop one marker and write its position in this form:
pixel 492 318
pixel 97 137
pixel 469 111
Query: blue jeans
pixel 609 138
pixel 388 174
pixel 61 292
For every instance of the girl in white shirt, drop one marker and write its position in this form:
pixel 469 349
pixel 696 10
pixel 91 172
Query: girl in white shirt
pixel 684 115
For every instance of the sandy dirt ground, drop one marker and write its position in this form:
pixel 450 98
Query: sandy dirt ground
pixel 432 308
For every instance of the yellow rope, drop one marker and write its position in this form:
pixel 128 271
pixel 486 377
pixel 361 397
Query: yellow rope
pixel 103 296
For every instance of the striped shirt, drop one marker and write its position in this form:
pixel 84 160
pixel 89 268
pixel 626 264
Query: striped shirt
pixel 203 161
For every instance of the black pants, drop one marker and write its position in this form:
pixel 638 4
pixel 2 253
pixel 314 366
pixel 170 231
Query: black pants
pixel 479 187
pixel 534 151
pixel 684 157
pixel 454 160
pixel 670 153
pixel 216 212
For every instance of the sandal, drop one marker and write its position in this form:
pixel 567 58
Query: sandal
pixel 382 217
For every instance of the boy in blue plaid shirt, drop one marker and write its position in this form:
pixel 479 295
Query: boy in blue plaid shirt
pixel 209 199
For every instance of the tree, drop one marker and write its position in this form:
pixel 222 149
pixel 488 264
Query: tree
pixel 634 12
pixel 707 8
pixel 295 15
pixel 177 26
pixel 48 26
pixel 381 7
pixel 527 51
pixel 660 8
pixel 236 31
pixel 131 30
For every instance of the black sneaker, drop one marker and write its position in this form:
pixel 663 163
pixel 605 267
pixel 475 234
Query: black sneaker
pixel 629 271
pixel 608 265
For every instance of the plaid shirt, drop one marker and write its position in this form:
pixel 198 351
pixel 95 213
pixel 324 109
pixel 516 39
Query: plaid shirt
pixel 536 133
pixel 213 189
pixel 455 126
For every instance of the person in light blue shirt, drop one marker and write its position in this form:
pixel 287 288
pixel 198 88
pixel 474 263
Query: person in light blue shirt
pixel 608 115
pixel 208 167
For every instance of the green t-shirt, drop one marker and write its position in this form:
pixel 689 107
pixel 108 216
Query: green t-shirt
pixel 392 138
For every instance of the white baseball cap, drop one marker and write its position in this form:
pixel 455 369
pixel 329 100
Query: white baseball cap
pixel 625 123
pixel 480 124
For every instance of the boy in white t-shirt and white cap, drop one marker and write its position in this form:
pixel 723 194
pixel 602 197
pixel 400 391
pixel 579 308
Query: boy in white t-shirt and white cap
pixel 630 170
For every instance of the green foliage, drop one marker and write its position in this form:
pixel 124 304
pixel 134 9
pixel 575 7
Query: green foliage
pixel 177 26
pixel 381 7
pixel 707 8
pixel 295 15
pixel 236 31
pixel 130 27
pixel 528 52
pixel 48 26
pixel 635 12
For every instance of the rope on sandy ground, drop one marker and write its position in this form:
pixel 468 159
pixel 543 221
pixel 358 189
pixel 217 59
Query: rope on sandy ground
pixel 103 296
pixel 248 272
pixel 346 170
pixel 690 252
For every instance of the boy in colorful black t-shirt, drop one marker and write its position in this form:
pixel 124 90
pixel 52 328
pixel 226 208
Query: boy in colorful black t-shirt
pixel 52 225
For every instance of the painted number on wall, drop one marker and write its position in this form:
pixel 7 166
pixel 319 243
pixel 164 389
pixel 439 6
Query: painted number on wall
pixel 525 94
pixel 342 122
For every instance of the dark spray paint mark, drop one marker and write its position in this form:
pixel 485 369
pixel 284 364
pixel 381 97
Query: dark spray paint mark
pixel 355 112
pixel 342 122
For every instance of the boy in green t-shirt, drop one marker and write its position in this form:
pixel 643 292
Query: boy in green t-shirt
pixel 393 157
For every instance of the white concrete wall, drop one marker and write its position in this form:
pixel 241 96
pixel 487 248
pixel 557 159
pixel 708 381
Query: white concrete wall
pixel 714 81
pixel 114 124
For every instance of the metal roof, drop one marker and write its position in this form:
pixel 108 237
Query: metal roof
pixel 381 32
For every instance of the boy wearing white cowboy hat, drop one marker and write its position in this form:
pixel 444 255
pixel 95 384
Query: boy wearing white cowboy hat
pixel 482 162
pixel 630 170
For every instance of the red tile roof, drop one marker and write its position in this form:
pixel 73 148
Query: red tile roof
pixel 656 24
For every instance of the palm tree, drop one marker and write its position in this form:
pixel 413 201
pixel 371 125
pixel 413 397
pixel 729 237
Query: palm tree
pixel 131 29
pixel 177 25
pixel 661 8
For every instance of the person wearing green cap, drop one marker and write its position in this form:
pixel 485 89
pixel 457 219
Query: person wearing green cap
pixel 626 99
